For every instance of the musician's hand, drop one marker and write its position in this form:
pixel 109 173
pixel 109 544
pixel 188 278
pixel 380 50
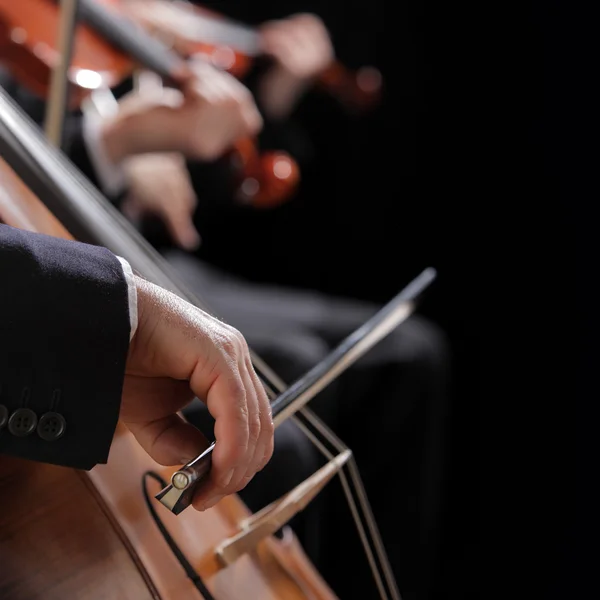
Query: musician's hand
pixel 219 110
pixel 159 184
pixel 301 48
pixel 179 352
pixel 202 122
pixel 300 44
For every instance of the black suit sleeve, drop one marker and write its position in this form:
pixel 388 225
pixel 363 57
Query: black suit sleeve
pixel 64 337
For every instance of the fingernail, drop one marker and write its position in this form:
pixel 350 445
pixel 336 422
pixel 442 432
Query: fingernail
pixel 227 478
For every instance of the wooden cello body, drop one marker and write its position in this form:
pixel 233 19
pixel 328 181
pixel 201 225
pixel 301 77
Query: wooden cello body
pixel 73 534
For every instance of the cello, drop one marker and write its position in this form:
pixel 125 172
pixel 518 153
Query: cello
pixel 46 153
pixel 109 496
pixel 104 53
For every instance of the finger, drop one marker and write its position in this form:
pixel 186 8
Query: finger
pixel 226 402
pixel 253 121
pixel 307 45
pixel 170 440
pixel 161 397
pixel 246 469
pixel 275 40
pixel 178 217
pixel 286 52
pixel 254 454
pixel 264 445
pixel 200 91
pixel 226 84
pixel 242 101
pixel 268 32
pixel 266 417
pixel 308 40
pixel 131 207
pixel 211 85
pixel 170 97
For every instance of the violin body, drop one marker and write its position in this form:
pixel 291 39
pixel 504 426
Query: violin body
pixel 28 32
pixel 266 181
pixel 73 534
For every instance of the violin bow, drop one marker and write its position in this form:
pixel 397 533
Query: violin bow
pixel 80 207
pixel 59 83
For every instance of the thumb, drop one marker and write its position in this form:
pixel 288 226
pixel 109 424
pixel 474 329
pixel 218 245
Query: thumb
pixel 178 219
pixel 170 440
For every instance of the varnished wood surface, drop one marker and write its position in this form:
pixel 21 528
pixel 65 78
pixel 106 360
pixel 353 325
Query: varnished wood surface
pixel 19 207
pixel 66 534
pixel 56 543
pixel 28 36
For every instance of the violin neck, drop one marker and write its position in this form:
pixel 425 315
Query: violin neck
pixel 130 38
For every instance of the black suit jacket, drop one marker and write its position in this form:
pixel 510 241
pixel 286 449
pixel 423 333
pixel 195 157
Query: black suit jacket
pixel 64 337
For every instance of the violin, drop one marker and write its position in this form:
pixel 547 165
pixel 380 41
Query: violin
pixel 107 48
pixel 197 31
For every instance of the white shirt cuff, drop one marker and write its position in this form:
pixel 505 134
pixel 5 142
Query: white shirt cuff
pixel 111 176
pixel 132 296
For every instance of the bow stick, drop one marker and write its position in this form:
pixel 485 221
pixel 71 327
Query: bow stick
pixel 184 482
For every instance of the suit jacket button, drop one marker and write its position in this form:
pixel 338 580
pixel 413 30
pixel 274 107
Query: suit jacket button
pixel 52 426
pixel 22 422
pixel 3 416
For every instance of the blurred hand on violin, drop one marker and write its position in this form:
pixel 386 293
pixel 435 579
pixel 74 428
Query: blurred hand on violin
pixel 178 352
pixel 300 44
pixel 160 185
pixel 301 48
pixel 202 121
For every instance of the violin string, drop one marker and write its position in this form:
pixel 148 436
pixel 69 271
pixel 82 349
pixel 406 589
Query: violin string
pixel 49 158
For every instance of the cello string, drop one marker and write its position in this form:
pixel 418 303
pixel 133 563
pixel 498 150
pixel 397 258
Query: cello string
pixel 351 466
pixel 365 505
pixel 351 505
pixel 83 184
pixel 120 236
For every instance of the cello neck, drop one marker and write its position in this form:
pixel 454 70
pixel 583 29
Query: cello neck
pixel 74 201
